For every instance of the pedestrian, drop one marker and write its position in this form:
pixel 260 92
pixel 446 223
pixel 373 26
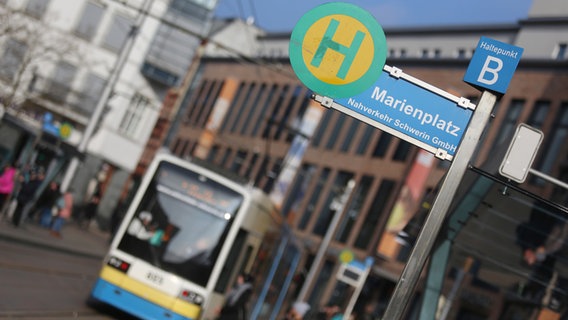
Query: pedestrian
pixel 25 196
pixel 89 211
pixel 47 204
pixel 7 181
pixel 65 203
pixel 236 300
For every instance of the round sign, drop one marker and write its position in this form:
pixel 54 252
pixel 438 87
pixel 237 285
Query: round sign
pixel 65 130
pixel 346 256
pixel 338 50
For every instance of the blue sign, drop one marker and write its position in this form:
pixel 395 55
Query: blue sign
pixel 492 65
pixel 419 113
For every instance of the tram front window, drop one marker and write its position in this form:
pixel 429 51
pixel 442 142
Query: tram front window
pixel 181 223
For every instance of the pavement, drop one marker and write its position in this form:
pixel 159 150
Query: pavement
pixel 88 242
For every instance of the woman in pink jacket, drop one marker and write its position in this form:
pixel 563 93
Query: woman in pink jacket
pixel 6 184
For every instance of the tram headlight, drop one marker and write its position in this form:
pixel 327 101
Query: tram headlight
pixel 192 297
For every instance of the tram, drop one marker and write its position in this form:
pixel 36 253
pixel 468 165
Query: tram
pixel 187 234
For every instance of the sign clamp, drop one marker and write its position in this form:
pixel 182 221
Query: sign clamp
pixel 398 74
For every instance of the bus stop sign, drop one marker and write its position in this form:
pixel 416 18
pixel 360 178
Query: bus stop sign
pixel 492 65
pixel 337 49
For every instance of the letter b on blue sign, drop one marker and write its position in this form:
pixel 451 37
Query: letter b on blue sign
pixel 492 65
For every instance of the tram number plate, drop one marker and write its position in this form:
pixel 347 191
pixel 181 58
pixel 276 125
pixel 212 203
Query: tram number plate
pixel 155 278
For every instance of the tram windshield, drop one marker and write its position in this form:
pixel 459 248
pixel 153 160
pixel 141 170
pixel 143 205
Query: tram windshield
pixel 181 222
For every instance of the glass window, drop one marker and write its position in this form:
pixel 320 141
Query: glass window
pixel 36 8
pixel 252 108
pixel 12 58
pixel 508 124
pixel 382 145
pixel 118 32
pixel 92 90
pixel 561 51
pixel 377 208
pixel 402 150
pixel 89 22
pixel 365 139
pixel 329 207
pixel 297 191
pixel 322 180
pixel 557 138
pixel 283 122
pixel 181 223
pixel 240 158
pixel 133 116
pixel 323 125
pixel 240 113
pixel 539 113
pixel 60 85
pixel 354 209
pixel 334 136
pixel 232 108
pixel 348 140
pixel 263 110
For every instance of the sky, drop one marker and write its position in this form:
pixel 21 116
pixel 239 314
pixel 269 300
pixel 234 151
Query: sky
pixel 282 15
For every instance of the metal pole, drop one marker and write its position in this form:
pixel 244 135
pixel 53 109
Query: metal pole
pixel 99 108
pixel 411 273
pixel 339 207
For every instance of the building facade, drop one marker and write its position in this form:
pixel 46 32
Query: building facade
pixel 93 73
pixel 251 115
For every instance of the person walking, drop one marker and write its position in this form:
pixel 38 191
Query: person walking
pixel 7 181
pixel 65 203
pixel 236 301
pixel 89 211
pixel 47 204
pixel 26 195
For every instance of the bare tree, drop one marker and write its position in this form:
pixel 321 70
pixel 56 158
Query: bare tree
pixel 28 45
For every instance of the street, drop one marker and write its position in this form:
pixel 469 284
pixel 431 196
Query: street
pixel 40 280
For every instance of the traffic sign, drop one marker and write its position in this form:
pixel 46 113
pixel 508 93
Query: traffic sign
pixel 337 49
pixel 492 65
pixel 521 153
pixel 412 110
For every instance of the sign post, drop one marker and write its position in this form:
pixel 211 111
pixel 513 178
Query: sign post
pixel 338 50
pixel 499 60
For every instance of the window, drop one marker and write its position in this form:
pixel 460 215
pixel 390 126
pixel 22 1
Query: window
pixel 461 54
pixel 118 32
pixel 323 125
pixel 556 140
pixel 402 151
pixel 348 140
pixel 331 205
pixel 354 209
pixel 378 206
pixel 561 51
pixel 12 58
pixel 539 113
pixel 334 136
pixel 60 85
pixel 508 125
pixel 382 145
pixel 87 26
pixel 36 8
pixel 93 87
pixel 322 180
pixel 365 139
pixel 133 116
